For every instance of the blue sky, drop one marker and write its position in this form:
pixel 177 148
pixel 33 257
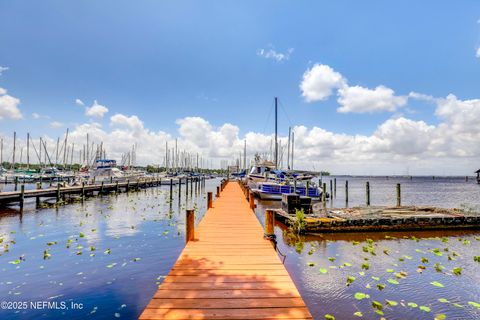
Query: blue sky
pixel 166 60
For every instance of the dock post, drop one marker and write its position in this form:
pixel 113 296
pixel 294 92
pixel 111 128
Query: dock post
pixel 346 192
pixel 186 187
pixel 191 187
pixel 218 192
pixel 269 224
pixel 116 186
pixel 179 187
pixel 324 192
pixel 295 185
pixel 209 200
pixel 171 188
pixel 22 196
pixel 335 187
pixel 37 199
pixel 367 191
pixel 83 190
pixel 111 179
pixel 190 225
pixel 307 185
pixel 16 183
pixel 101 188
pixel 252 201
pixel 331 189
pixel 58 192
pixel 466 178
pixel 128 185
pixel 399 195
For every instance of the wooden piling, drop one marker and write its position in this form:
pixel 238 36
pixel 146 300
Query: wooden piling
pixel 186 187
pixel 101 188
pixel 269 223
pixel 190 225
pixel 335 187
pixel 16 183
pixel 37 199
pixel 307 185
pixel 367 193
pixel 331 189
pixel 22 198
pixel 128 186
pixel 171 188
pixel 218 192
pixel 399 195
pixel 252 201
pixel 58 192
pixel 346 192
pixel 116 187
pixel 324 192
pixel 209 200
pixel 83 190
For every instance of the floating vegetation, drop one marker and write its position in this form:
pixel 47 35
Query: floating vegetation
pixel 437 284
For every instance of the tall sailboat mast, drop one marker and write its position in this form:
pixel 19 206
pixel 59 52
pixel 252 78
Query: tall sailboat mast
pixel 276 133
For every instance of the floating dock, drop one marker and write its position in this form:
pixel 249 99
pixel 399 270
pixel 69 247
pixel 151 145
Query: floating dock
pixel 229 271
pixel 382 219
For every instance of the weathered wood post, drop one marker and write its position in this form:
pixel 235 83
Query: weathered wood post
pixel 324 192
pixel 171 188
pixel 218 192
pixel 116 187
pixel 367 191
pixel 179 188
pixel 346 192
pixel 466 178
pixel 128 185
pixel 37 199
pixel 307 185
pixel 252 201
pixel 22 196
pixel 335 187
pixel 111 179
pixel 191 187
pixel 295 185
pixel 58 192
pixel 16 183
pixel 331 189
pixel 269 223
pixel 190 225
pixel 51 181
pixel 209 200
pixel 186 187
pixel 83 190
pixel 399 195
pixel 101 188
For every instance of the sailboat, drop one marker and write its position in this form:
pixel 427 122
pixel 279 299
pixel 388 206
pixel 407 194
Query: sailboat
pixel 268 182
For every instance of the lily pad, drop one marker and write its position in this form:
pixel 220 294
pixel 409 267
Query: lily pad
pixel 392 303
pixel 412 304
pixel 358 314
pixel 393 281
pixel 437 284
pixel 323 270
pixel 474 304
pixel 457 271
pixel 361 296
pixel 329 317
pixel 350 280
pixel 425 308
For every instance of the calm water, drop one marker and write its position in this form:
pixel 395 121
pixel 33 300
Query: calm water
pixel 108 253
pixel 320 265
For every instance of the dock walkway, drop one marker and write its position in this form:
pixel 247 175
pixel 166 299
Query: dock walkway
pixel 228 272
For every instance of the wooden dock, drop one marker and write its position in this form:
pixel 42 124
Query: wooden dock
pixel 228 271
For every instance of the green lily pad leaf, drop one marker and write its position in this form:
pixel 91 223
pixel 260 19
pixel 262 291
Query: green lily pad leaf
pixel 440 316
pixel 376 278
pixel 361 273
pixel 358 314
pixel 51 243
pixel 14 262
pixel 361 296
pixel 425 308
pixel 311 264
pixel 347 264
pixel 390 270
pixel 332 259
pixel 474 304
pixel 393 281
pixel 412 304
pixel 81 235
pixel 107 251
pixel 457 271
pixel 365 266
pixel 476 258
pixel 386 251
pixel 377 305
pixel 419 251
pixel 380 312
pixel 424 260
pixel 437 284
pixel 380 286
pixel 457 305
pixel 392 303
pixel 443 300
pixel 408 257
pixel 350 280
pixel 368 286
pixel 323 270
pixel 329 317
pixel 111 265
pixel 136 259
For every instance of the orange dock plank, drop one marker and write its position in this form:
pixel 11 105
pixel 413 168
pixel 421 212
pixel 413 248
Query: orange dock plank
pixel 228 272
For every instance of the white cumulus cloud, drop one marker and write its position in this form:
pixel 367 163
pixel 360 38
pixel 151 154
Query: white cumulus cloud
pixel 358 99
pixel 79 102
pixel 319 82
pixel 3 69
pixel 477 53
pixel 55 124
pixel 9 106
pixel 96 110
